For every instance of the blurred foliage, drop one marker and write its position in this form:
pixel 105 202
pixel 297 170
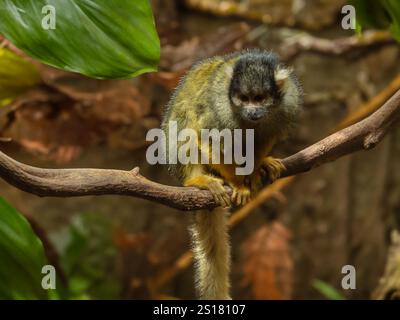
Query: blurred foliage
pixel 267 264
pixel 22 258
pixel 327 290
pixel 86 252
pixel 87 256
pixel 378 14
pixel 16 76
pixel 95 38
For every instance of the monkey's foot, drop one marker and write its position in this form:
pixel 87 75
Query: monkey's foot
pixel 271 168
pixel 215 185
pixel 241 196
pixel 220 196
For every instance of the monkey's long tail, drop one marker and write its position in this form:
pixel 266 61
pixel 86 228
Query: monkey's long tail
pixel 212 254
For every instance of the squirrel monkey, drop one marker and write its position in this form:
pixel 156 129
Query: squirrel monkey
pixel 250 89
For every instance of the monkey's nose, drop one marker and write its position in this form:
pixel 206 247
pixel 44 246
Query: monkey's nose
pixel 255 114
pixel 255 117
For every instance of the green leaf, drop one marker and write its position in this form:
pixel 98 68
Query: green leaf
pixel 327 290
pixel 378 14
pixel 98 38
pixel 393 8
pixel 21 257
pixel 16 76
pixel 371 14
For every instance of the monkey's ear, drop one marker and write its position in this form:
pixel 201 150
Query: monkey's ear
pixel 229 71
pixel 281 76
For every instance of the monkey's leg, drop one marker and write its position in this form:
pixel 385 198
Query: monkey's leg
pixel 241 188
pixel 271 168
pixel 212 254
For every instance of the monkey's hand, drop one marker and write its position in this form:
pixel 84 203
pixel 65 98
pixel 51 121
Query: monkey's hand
pixel 214 184
pixel 271 169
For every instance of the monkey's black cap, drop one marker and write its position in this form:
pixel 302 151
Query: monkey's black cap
pixel 254 75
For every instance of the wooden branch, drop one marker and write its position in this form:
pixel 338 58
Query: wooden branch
pixel 363 135
pixel 351 46
pixel 372 105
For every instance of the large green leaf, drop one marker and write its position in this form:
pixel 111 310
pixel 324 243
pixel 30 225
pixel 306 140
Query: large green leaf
pixel 378 14
pixel 98 38
pixel 16 75
pixel 21 257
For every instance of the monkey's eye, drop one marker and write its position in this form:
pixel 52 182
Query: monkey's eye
pixel 258 98
pixel 244 98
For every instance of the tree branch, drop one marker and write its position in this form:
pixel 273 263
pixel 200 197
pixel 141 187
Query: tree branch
pixel 363 135
pixel 352 46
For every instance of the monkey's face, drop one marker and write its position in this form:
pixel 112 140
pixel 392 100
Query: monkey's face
pixel 254 92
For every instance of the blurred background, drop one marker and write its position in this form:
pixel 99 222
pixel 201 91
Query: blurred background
pixel 291 246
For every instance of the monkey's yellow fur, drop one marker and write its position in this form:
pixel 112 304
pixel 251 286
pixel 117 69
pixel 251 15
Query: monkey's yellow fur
pixel 212 251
